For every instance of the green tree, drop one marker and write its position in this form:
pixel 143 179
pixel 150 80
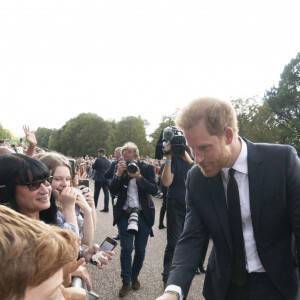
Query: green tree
pixel 132 129
pixel 166 121
pixel 5 133
pixel 42 135
pixel 284 101
pixel 256 121
pixel 83 135
pixel 54 139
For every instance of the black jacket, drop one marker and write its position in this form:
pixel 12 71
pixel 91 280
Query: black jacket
pixel 146 187
pixel 101 165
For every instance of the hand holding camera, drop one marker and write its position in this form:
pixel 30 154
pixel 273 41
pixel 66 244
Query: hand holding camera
pixel 121 168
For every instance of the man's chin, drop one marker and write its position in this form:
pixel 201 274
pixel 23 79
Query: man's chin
pixel 208 172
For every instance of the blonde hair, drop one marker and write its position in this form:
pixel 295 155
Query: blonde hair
pixel 130 147
pixel 53 160
pixel 31 252
pixel 217 115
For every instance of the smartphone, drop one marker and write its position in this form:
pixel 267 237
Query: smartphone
pixel 84 182
pixel 108 245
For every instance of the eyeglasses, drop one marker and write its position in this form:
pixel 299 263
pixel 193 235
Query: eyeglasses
pixel 35 185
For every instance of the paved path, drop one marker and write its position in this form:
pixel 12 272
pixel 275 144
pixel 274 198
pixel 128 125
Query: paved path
pixel 107 282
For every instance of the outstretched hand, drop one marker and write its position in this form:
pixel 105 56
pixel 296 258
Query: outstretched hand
pixel 30 136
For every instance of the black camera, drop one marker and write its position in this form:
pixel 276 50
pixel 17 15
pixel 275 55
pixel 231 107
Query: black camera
pixel 132 166
pixel 177 140
pixel 133 220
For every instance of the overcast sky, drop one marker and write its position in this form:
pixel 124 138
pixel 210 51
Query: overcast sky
pixel 118 58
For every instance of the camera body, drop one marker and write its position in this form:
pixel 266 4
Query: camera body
pixel 133 220
pixel 176 139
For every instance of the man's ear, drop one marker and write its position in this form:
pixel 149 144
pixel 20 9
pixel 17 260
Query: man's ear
pixel 228 135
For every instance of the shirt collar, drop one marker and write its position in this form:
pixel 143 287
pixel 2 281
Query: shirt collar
pixel 241 164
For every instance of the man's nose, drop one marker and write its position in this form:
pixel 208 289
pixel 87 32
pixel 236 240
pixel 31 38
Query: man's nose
pixel 199 157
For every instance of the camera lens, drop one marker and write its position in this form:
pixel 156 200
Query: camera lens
pixel 131 166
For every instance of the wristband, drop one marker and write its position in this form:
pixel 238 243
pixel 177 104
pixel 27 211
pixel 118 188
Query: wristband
pixel 168 160
pixel 174 293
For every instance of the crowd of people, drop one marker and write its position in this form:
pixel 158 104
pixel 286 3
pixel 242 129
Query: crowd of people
pixel 244 196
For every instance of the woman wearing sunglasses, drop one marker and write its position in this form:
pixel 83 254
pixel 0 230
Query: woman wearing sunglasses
pixel 25 185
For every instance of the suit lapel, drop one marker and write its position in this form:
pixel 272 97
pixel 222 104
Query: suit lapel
pixel 219 201
pixel 255 176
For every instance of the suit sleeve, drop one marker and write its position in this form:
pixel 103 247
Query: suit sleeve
pixel 110 172
pixel 293 195
pixel 148 181
pixel 186 257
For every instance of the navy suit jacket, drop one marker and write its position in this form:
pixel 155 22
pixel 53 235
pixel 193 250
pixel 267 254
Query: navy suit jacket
pixel 110 172
pixel 146 187
pixel 101 165
pixel 274 188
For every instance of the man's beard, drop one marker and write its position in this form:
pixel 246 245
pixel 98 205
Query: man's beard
pixel 216 166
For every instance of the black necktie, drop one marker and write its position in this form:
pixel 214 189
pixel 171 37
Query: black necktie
pixel 239 272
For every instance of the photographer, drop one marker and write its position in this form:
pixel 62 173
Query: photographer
pixel 174 176
pixel 133 184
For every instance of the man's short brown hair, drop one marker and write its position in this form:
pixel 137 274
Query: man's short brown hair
pixel 31 252
pixel 217 115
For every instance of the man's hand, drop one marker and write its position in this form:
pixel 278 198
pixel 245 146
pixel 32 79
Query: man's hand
pixel 167 296
pixel 87 254
pixel 167 149
pixel 83 273
pixel 121 168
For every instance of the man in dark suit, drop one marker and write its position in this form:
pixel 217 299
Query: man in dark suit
pixel 101 165
pixel 109 175
pixel 247 196
pixel 133 184
pixel 110 172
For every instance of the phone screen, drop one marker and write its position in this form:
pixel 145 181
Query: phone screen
pixel 84 182
pixel 106 246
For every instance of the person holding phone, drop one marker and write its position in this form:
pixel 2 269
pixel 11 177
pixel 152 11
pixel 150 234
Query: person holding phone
pixel 133 184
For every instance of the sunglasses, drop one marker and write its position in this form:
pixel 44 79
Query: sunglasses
pixel 35 185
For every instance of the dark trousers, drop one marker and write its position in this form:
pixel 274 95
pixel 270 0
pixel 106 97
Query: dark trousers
pixel 175 222
pixel 163 209
pixel 104 186
pixel 128 269
pixel 258 287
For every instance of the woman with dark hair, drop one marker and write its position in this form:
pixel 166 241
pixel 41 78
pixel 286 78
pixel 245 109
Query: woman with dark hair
pixel 25 185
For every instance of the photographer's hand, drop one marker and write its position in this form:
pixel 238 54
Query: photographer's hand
pixel 121 168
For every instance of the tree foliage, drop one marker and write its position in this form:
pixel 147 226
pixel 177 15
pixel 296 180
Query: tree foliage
pixel 132 129
pixel 83 135
pixel 42 135
pixel 256 121
pixel 5 133
pixel 284 101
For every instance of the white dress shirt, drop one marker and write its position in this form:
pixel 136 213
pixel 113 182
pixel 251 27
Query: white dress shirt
pixel 253 263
